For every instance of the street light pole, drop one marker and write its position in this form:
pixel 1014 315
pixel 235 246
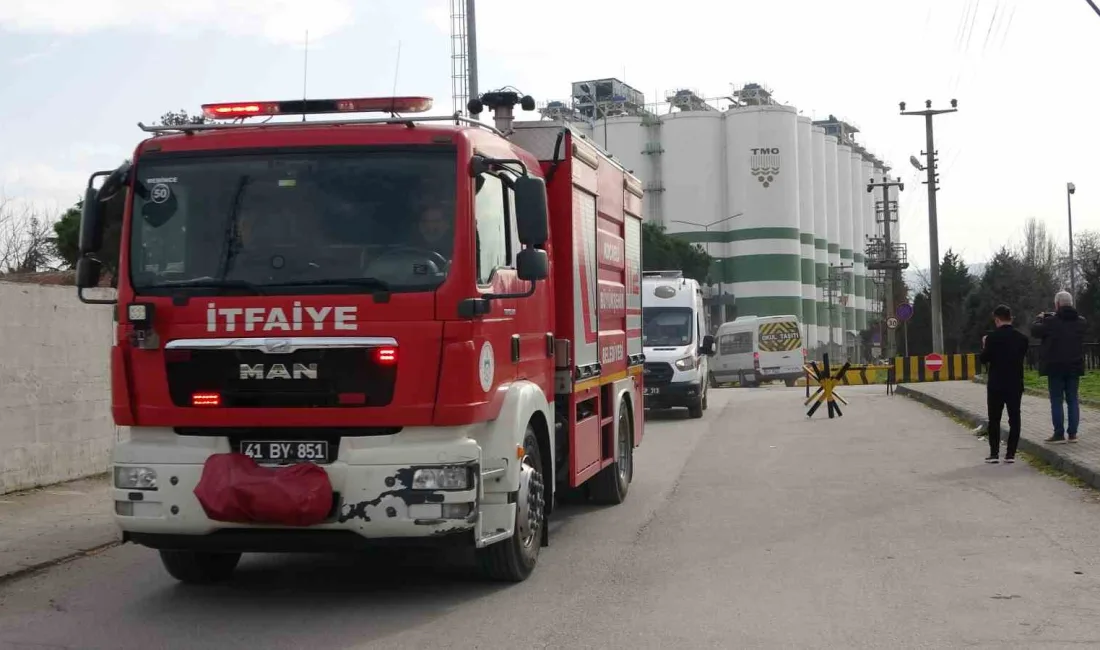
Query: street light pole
pixel 706 228
pixel 933 228
pixel 1070 189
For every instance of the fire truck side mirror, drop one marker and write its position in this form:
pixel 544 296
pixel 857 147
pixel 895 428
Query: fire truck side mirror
pixel 531 213
pixel 532 265
pixel 91 226
pixel 88 271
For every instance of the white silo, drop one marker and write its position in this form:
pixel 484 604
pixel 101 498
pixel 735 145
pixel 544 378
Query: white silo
pixel 766 254
pixel 832 207
pixel 859 272
pixel 844 203
pixel 693 175
pixel 821 234
pixel 627 138
pixel 806 219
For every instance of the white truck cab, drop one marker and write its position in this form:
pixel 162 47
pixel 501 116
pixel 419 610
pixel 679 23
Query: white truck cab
pixel 756 349
pixel 675 342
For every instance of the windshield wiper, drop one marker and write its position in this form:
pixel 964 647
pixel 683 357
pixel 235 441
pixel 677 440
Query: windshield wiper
pixel 211 283
pixel 381 288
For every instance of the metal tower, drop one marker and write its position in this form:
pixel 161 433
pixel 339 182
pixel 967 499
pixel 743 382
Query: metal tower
pixel 460 88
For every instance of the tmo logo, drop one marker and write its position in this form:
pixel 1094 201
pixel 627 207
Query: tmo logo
pixel 765 151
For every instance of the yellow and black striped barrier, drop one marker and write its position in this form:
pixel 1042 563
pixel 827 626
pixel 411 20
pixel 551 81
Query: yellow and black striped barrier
pixel 826 389
pixel 858 375
pixel 955 367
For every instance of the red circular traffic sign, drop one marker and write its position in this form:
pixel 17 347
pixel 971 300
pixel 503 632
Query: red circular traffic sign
pixel 933 362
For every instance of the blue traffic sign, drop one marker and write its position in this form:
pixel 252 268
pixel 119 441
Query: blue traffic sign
pixel 904 311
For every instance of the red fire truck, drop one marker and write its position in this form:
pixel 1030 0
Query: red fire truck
pixel 358 330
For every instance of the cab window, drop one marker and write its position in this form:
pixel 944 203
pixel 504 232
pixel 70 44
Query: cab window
pixel 491 214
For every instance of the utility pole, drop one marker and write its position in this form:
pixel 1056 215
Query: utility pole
pixel 471 48
pixel 706 228
pixel 933 229
pixel 1070 189
pixel 833 285
pixel 885 255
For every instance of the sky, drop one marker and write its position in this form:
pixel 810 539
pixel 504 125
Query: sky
pixel 77 76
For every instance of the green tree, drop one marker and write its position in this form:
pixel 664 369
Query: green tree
pixel 181 118
pixel 661 251
pixel 67 235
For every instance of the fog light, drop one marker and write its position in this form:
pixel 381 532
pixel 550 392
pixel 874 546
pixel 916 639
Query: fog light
pixel 457 510
pixel 135 478
pixel 441 478
pixel 124 508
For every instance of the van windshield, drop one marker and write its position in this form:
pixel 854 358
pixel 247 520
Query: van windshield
pixel 663 326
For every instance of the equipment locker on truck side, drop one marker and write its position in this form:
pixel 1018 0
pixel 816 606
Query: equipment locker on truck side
pixel 306 361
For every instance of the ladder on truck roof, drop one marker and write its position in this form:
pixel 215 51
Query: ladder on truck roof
pixel 671 274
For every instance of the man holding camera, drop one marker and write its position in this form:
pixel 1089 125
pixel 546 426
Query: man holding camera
pixel 1062 361
pixel 1003 351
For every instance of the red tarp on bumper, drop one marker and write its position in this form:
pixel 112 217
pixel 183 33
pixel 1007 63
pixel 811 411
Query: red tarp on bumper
pixel 234 488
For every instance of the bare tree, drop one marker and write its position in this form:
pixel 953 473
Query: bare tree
pixel 26 238
pixel 1039 250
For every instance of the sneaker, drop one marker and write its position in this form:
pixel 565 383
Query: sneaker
pixel 1071 439
pixel 1056 439
pixel 1010 459
pixel 991 460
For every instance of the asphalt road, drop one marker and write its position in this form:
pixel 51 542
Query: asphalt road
pixel 751 528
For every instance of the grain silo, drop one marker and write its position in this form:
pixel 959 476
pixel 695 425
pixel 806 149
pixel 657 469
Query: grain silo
pixel 821 234
pixel 693 172
pixel 844 205
pixel 806 219
pixel 859 271
pixel 766 259
pixel 832 207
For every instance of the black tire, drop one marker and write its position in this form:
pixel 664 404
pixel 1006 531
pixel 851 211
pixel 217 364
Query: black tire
pixel 695 411
pixel 790 382
pixel 198 568
pixel 611 485
pixel 513 559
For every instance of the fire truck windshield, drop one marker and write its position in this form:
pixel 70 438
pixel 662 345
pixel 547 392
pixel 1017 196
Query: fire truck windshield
pixel 293 222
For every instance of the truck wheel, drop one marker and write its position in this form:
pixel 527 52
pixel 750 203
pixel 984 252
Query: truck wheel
pixel 193 567
pixel 791 383
pixel 695 411
pixel 610 486
pixel 513 559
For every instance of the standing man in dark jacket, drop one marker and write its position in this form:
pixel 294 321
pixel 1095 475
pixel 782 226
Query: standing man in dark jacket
pixel 1003 351
pixel 1062 360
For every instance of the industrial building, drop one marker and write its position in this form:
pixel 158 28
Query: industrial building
pixel 779 201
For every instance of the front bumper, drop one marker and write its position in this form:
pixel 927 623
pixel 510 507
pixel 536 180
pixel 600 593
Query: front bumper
pixel 372 504
pixel 676 393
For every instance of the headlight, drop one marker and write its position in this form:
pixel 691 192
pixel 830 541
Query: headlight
pixel 687 363
pixel 441 478
pixel 135 478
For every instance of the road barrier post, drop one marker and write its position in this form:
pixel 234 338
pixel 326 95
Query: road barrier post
pixel 826 383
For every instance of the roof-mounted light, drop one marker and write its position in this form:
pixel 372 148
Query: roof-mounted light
pixel 234 110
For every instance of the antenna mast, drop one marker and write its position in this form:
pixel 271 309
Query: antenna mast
pixel 305 76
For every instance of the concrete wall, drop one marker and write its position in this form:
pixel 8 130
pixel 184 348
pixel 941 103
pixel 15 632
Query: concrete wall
pixel 55 417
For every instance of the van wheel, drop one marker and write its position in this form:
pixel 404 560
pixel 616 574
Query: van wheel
pixel 790 382
pixel 610 486
pixel 193 567
pixel 513 559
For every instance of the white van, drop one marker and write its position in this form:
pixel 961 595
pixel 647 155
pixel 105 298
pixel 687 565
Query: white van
pixel 756 349
pixel 675 342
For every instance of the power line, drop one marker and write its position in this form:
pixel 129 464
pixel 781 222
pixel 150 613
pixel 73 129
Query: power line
pixel 1094 7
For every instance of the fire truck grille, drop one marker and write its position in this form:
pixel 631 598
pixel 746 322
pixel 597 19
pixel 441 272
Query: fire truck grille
pixel 657 373
pixel 307 378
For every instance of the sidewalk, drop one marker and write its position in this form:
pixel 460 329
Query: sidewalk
pixel 48 525
pixel 966 400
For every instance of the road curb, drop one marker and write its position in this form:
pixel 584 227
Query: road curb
pixel 23 572
pixel 1046 453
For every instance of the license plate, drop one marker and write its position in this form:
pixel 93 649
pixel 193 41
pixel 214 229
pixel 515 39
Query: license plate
pixel 651 390
pixel 286 451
